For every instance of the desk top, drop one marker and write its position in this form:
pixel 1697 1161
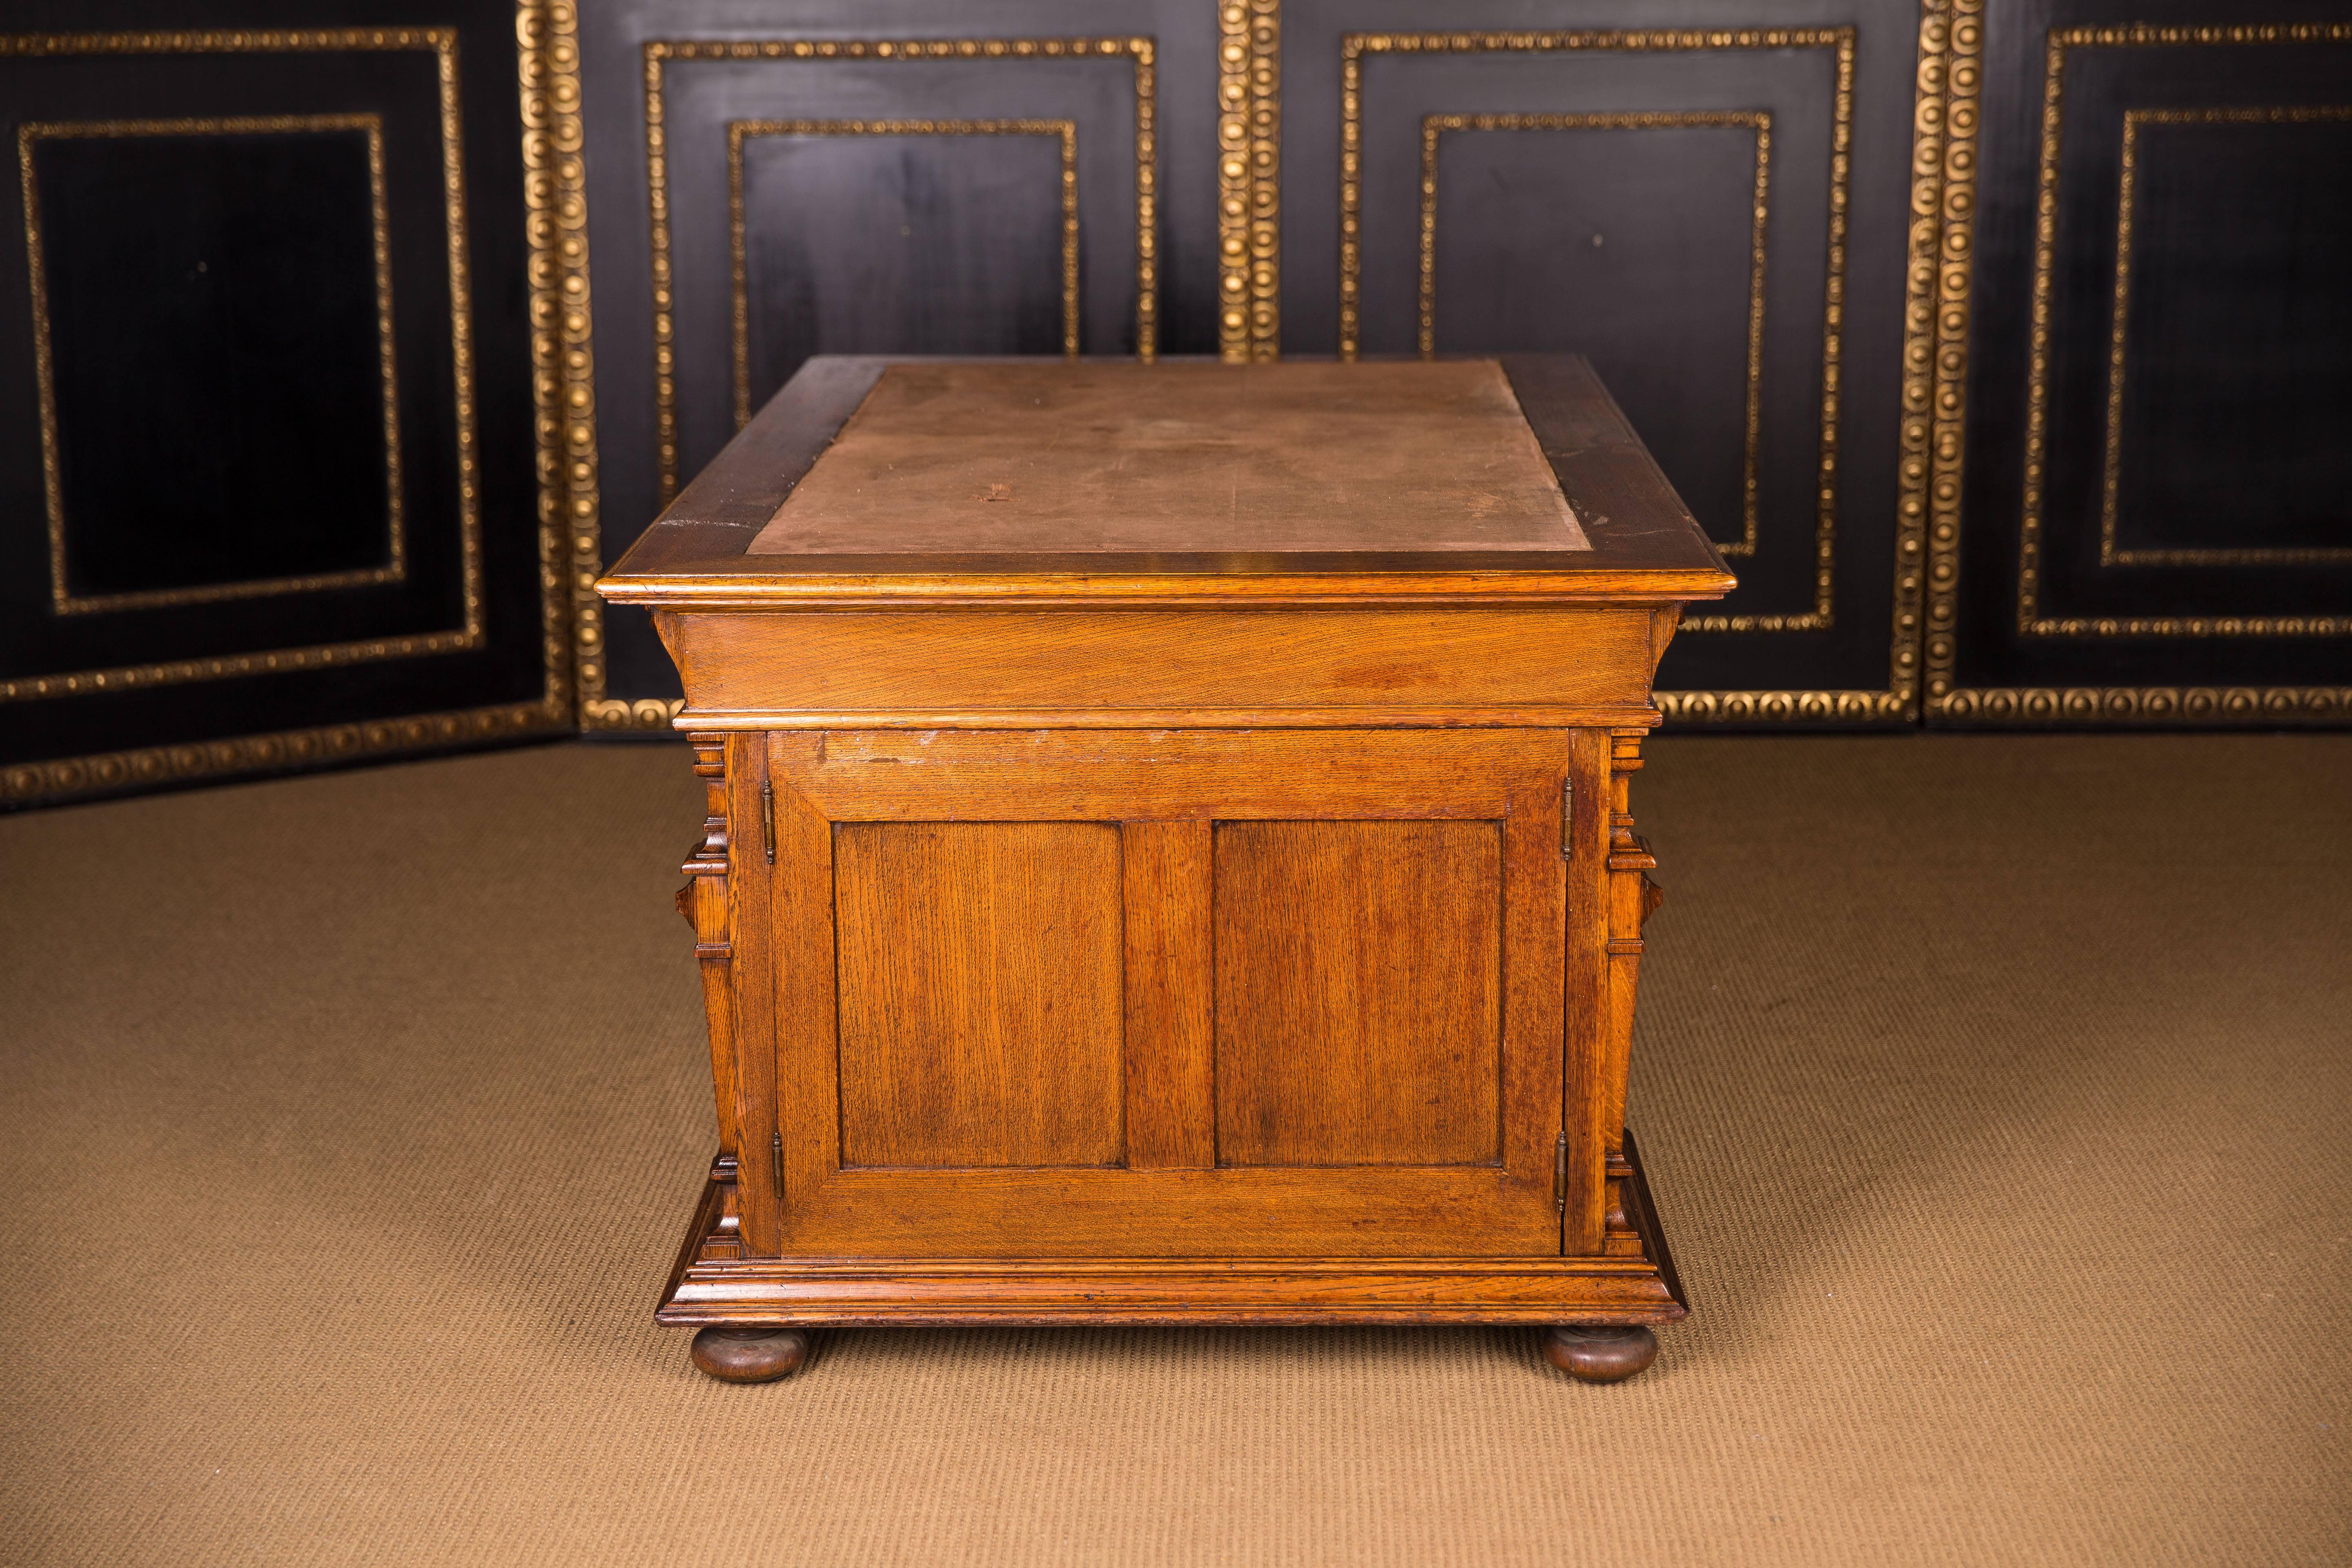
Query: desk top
pixel 871 480
pixel 1183 458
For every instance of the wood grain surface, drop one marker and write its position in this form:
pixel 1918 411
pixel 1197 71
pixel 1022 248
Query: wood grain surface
pixel 759 929
pixel 1170 968
pixel 1175 1291
pixel 1393 1288
pixel 1266 1211
pixel 1161 775
pixel 980 993
pixel 1054 988
pixel 1193 828
pixel 981 660
pixel 1359 992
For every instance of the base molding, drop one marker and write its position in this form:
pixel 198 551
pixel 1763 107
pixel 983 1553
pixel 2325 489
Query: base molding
pixel 1143 1291
pixel 713 1285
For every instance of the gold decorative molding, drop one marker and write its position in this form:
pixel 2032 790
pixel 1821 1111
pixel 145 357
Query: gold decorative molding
pixel 1249 179
pixel 61 596
pixel 652 715
pixel 2141 34
pixel 227 41
pixel 1759 121
pixel 562 356
pixel 1848 707
pixel 1355 48
pixel 442 43
pixel 1951 222
pixel 2037 399
pixel 68 778
pixel 2158 705
pixel 1934 321
pixel 2110 552
pixel 659 52
pixel 2031 621
pixel 1066 131
pixel 155 767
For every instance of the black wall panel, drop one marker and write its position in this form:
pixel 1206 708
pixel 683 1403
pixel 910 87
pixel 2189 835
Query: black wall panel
pixel 2156 525
pixel 212 303
pixel 267 451
pixel 947 240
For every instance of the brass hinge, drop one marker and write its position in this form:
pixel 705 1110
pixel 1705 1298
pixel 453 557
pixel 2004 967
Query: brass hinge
pixel 1560 1173
pixel 768 818
pixel 1567 820
pixel 776 1169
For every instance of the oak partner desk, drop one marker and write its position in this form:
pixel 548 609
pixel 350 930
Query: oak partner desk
pixel 1168 855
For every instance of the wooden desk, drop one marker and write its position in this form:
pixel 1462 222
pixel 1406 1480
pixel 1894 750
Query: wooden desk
pixel 1168 855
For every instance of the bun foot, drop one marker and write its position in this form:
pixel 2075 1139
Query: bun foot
pixel 1599 1352
pixel 756 1352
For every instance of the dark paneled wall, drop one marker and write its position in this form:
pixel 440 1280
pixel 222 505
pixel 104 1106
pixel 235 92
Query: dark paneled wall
pixel 266 449
pixel 223 269
pixel 2003 347
pixel 2151 521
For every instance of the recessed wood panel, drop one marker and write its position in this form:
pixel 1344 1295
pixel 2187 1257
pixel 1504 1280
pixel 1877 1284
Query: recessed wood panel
pixel 1343 892
pixel 979 981
pixel 1359 976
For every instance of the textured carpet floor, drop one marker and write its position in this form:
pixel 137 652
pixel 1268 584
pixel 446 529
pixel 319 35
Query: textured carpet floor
pixel 1994 1090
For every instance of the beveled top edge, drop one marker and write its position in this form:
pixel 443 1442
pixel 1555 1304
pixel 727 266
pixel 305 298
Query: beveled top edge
pixel 1646 546
pixel 943 589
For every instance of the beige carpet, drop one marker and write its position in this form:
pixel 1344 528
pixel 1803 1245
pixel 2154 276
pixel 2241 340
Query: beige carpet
pixel 1994 1090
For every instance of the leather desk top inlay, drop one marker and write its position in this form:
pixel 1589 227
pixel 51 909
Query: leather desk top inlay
pixel 1094 458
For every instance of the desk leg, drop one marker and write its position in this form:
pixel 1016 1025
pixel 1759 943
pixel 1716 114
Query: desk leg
pixel 1599 1352
pixel 757 1352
